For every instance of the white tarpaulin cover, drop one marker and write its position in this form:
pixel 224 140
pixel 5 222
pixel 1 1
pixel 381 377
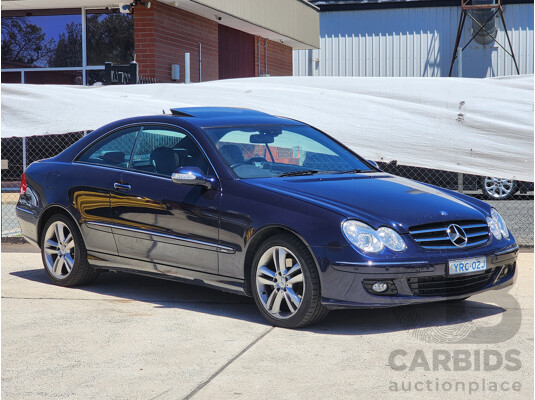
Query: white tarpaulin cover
pixel 476 126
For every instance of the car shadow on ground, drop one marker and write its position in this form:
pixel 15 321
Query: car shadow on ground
pixel 170 294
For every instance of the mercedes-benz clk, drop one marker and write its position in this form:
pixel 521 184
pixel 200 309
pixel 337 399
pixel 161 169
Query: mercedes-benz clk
pixel 258 205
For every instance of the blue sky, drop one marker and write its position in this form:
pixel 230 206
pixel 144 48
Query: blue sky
pixel 53 25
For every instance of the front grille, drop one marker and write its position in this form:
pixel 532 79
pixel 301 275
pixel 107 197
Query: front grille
pixel 450 286
pixel 435 236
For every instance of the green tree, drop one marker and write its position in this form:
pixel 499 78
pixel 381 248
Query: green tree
pixel 23 42
pixel 110 37
pixel 67 52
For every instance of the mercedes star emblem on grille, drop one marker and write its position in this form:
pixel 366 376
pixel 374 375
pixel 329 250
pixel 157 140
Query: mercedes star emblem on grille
pixel 457 235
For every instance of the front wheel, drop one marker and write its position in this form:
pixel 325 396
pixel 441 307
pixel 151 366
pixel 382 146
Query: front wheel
pixel 285 283
pixel 64 253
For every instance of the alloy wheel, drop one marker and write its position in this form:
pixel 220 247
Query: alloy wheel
pixel 280 283
pixel 59 250
pixel 498 188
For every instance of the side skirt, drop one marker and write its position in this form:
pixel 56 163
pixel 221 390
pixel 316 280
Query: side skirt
pixel 118 263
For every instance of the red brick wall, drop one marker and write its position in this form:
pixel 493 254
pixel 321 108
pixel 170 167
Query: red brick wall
pixel 163 34
pixel 279 58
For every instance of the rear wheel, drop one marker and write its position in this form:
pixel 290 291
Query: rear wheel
pixel 64 253
pixel 285 283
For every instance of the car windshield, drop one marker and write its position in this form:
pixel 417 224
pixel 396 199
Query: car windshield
pixel 282 150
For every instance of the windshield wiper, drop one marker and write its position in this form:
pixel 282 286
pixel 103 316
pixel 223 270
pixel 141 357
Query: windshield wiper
pixel 299 173
pixel 314 171
pixel 357 171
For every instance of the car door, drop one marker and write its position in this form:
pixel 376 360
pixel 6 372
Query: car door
pixel 160 221
pixel 93 175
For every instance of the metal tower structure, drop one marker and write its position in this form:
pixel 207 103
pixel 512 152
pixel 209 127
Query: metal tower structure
pixel 467 6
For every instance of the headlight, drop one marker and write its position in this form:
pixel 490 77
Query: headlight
pixel 497 225
pixel 369 240
pixel 391 239
pixel 494 228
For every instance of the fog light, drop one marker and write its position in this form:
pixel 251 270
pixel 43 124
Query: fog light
pixel 379 287
pixel 505 272
pixel 384 287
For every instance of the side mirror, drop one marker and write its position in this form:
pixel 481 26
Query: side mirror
pixel 374 164
pixel 192 176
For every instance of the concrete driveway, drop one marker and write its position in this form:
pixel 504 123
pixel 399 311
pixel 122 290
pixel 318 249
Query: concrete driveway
pixel 130 337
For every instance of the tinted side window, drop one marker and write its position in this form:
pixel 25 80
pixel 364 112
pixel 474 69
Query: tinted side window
pixel 161 150
pixel 114 150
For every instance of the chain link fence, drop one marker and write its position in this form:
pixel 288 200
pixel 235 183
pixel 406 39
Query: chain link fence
pixel 18 153
pixel 514 200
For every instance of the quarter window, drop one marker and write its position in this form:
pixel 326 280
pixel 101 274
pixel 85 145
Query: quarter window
pixel 114 150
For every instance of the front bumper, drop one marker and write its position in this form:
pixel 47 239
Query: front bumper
pixel 347 284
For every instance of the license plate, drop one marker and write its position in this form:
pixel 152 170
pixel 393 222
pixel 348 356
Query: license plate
pixel 467 265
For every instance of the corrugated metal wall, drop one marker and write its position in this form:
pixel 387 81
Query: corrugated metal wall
pixel 413 42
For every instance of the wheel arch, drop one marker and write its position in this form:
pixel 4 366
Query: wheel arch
pixel 47 213
pixel 255 242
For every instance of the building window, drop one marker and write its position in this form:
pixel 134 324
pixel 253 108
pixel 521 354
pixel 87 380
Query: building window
pixel 110 38
pixel 41 41
pixel 51 41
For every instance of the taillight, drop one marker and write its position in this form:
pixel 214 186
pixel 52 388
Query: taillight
pixel 23 185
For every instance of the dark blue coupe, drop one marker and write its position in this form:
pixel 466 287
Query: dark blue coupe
pixel 259 205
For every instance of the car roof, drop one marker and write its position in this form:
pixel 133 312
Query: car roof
pixel 228 116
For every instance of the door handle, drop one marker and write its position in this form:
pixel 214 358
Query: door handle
pixel 121 186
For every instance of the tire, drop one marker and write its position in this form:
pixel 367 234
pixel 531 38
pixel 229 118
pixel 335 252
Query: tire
pixel 289 297
pixel 497 188
pixel 65 260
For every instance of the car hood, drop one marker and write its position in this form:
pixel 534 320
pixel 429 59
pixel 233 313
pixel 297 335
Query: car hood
pixel 378 198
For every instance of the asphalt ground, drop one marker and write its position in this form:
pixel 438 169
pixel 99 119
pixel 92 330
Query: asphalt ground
pixel 131 337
